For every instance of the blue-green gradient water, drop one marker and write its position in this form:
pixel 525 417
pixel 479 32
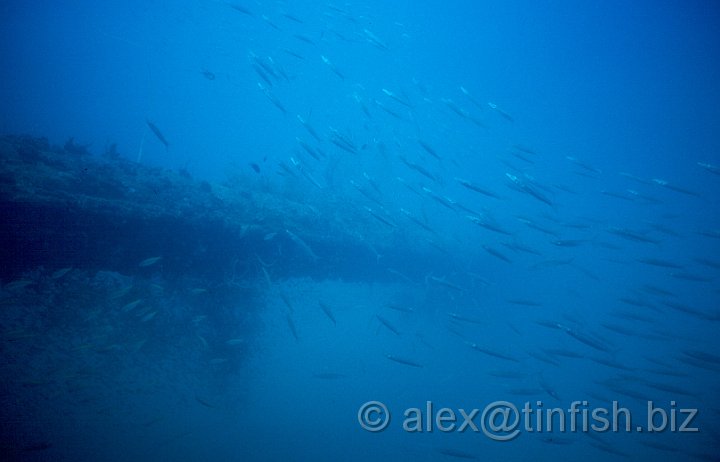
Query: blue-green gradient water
pixel 552 170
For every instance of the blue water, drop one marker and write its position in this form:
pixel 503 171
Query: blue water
pixel 593 124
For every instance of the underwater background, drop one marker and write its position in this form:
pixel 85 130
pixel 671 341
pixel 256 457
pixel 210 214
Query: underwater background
pixel 229 226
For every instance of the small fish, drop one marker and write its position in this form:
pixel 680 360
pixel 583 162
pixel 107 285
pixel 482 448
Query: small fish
pixel 255 167
pixel 18 284
pixel 329 376
pixel 495 107
pixel 459 317
pixel 130 306
pixel 241 9
pixel 405 361
pixel 374 39
pixel 402 309
pixel 710 167
pixel 476 188
pixel 158 134
pixel 149 262
pixel 493 353
pixel 302 244
pixel 444 282
pixel 332 67
pixel 291 325
pixel 61 272
pixel 148 316
pixel 379 217
pixel 457 454
pixel 387 324
pixel 204 402
pixel 328 312
pixel 120 292
pixel 286 300
pixel 496 254
pixel 208 75
pixel 523 301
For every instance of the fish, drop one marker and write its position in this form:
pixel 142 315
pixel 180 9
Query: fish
pixel 417 221
pixel 631 235
pixel 308 176
pixel 668 388
pixel 488 225
pixel 457 454
pixel 328 312
pixel 148 316
pixel 707 262
pixel 690 277
pixel 374 39
pixel 459 317
pixel 149 262
pixel 492 353
pixel 34 447
pixel 523 301
pixel 292 17
pixel 286 300
pixel 240 8
pixel 429 149
pixel 294 54
pixel 401 275
pixel 310 129
pixel 329 376
pixel 332 67
pixel 531 224
pixel 527 188
pixel 208 75
pixel 255 167
pixel 261 73
pixel 673 187
pixel 568 242
pixel 588 340
pixel 659 262
pixel 444 282
pixel 291 325
pixel 61 272
pixel 270 22
pixel 130 306
pixel 402 309
pixel 304 38
pixel 402 360
pixel 387 324
pixel 476 188
pixel 563 352
pixel 583 165
pixel 368 194
pixel 156 131
pixel 496 253
pixel 504 114
pixel 343 142
pixel 397 98
pixel 442 200
pixel 308 149
pixel 379 217
pixel 710 167
pixel 302 244
pixel 452 105
pixel 703 356
pixel 205 402
pixel 470 97
pixel 273 99
pixel 418 168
